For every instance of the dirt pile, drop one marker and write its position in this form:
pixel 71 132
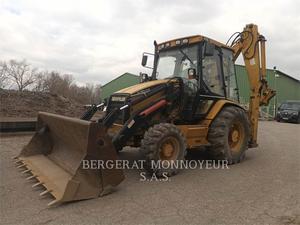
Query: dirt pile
pixel 27 104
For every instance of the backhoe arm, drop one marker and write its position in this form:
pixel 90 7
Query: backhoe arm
pixel 252 46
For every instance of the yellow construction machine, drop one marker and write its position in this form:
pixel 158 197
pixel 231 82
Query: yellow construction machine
pixel 191 100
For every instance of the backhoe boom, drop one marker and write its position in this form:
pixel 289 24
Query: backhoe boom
pixel 252 46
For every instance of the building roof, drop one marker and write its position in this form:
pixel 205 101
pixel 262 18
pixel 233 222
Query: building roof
pixel 282 73
pixel 120 82
pixel 277 71
pixel 124 74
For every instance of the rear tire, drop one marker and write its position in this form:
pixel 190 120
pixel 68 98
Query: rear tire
pixel 163 141
pixel 229 135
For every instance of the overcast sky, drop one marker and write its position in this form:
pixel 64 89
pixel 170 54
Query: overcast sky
pixel 97 41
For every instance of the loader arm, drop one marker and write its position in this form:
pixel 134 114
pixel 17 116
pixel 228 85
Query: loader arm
pixel 252 46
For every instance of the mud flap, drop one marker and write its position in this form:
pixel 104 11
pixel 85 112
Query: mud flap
pixel 55 155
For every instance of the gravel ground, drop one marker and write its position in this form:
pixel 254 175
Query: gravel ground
pixel 264 189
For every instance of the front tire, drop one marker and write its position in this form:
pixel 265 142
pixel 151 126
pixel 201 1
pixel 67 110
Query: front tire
pixel 229 135
pixel 163 142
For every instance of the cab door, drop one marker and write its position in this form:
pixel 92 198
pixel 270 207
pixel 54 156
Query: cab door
pixel 212 72
pixel 230 75
pixel 212 87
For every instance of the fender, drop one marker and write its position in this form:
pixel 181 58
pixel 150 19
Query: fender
pixel 216 108
pixel 196 135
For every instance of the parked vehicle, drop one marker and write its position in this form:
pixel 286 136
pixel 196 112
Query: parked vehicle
pixel 289 111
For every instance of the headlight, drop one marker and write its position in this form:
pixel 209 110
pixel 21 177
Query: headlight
pixel 185 41
pixel 118 98
pixel 295 113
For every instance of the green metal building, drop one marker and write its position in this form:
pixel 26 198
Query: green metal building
pixel 287 87
pixel 123 81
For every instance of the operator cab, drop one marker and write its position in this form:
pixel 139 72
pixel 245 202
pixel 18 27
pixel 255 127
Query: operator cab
pixel 205 66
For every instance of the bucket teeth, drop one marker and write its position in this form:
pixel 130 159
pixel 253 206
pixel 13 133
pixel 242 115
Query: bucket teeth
pixel 31 177
pixel 54 202
pixel 18 161
pixel 45 192
pixel 37 184
pixel 54 173
pixel 26 171
pixel 21 166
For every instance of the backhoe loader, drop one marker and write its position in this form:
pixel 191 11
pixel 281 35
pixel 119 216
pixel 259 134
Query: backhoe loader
pixel 191 100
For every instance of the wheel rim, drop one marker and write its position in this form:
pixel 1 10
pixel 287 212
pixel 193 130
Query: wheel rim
pixel 236 136
pixel 169 149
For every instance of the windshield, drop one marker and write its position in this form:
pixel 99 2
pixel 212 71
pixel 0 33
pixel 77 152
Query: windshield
pixel 176 62
pixel 290 105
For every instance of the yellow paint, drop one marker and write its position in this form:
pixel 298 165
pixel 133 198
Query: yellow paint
pixel 252 47
pixel 216 108
pixel 195 135
pixel 138 87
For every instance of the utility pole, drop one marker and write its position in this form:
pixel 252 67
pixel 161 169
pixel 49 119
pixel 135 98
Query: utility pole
pixel 276 76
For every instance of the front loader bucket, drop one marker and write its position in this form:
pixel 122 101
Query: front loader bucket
pixel 56 155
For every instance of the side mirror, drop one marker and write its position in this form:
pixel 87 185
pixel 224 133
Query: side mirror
pixel 192 73
pixel 144 77
pixel 144 60
pixel 209 49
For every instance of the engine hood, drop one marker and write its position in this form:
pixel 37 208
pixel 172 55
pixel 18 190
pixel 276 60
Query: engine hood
pixel 139 87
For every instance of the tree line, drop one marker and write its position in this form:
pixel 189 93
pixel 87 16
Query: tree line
pixel 21 76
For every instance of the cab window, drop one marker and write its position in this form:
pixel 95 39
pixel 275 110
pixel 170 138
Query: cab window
pixel 229 75
pixel 212 73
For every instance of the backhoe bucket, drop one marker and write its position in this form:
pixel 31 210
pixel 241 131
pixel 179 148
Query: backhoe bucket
pixel 63 157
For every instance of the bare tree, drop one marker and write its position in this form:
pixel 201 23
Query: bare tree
pixel 3 74
pixel 88 94
pixel 21 73
pixel 55 83
pixel 40 81
pixel 96 98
